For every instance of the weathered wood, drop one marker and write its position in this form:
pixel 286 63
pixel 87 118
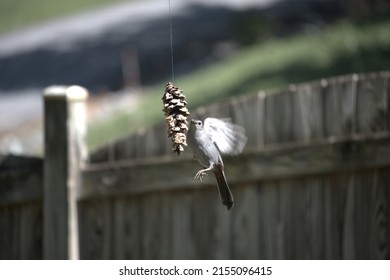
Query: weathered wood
pixel 10 228
pixel 132 225
pixel 245 223
pixel 279 117
pixel 182 238
pixel 313 212
pixel 150 217
pixel 249 112
pixel 166 224
pixel 340 106
pixel 108 233
pixel 99 155
pixel 380 243
pixel 372 103
pixel 155 144
pixel 308 111
pixel 271 228
pixel 65 152
pixel 21 232
pixel 118 229
pixel 31 235
pixel 222 230
pixel 203 231
pixel 296 160
pixel 19 187
pixel 125 148
pixel 92 228
pixel 348 248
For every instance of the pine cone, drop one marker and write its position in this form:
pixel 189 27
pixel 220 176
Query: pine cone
pixel 176 113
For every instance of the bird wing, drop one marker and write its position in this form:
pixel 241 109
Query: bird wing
pixel 229 138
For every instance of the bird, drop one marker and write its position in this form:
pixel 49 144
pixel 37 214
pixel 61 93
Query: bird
pixel 210 139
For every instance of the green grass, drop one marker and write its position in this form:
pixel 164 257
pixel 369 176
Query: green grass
pixel 342 48
pixel 16 14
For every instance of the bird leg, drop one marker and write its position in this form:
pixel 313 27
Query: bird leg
pixel 201 173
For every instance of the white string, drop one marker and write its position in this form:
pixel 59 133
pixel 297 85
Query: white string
pixel 171 39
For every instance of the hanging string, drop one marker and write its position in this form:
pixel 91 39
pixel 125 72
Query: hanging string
pixel 171 40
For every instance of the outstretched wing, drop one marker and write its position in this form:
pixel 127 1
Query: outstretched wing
pixel 229 138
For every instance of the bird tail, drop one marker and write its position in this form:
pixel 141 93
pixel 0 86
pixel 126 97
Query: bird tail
pixel 223 188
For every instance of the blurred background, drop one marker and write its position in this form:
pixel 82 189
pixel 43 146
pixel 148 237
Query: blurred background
pixel 312 183
pixel 120 51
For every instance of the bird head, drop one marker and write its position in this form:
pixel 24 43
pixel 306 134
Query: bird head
pixel 196 124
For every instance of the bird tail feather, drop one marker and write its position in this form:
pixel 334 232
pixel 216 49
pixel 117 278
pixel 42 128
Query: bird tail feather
pixel 223 188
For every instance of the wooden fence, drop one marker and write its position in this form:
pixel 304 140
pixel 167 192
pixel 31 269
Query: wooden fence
pixel 21 190
pixel 312 183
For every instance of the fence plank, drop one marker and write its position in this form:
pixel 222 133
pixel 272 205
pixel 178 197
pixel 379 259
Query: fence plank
pixel 308 112
pixel 132 226
pixel 336 188
pixel 271 226
pixel 372 103
pixel 382 235
pixel 245 223
pixel 10 234
pixel 249 112
pixel 314 217
pixel 221 231
pixel 155 244
pixel 202 234
pixel 378 243
pixel 31 236
pixel 183 245
pixel 340 106
pixel 156 145
pixel 279 117
pixel 29 187
pixel 92 228
pixel 119 232
pixel 291 219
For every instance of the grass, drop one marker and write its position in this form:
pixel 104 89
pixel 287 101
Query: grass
pixel 16 14
pixel 342 48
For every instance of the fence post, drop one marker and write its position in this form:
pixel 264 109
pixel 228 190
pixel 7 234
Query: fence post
pixel 65 154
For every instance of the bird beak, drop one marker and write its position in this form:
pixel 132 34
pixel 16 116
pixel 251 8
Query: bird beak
pixel 193 121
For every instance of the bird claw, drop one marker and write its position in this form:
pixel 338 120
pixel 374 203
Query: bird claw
pixel 199 176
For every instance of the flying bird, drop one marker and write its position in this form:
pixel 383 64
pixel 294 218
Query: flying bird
pixel 208 141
